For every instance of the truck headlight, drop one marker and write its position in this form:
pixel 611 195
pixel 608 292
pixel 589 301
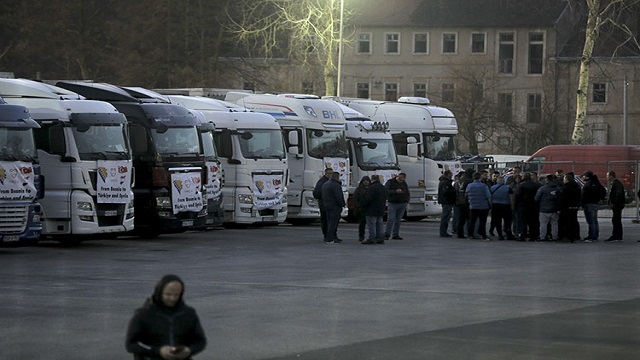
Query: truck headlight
pixel 84 206
pixel 163 202
pixel 310 201
pixel 36 217
pixel 245 198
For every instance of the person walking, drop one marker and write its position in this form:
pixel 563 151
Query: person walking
pixel 165 327
pixel 592 193
pixel 317 194
pixel 616 203
pixel 375 202
pixel 446 198
pixel 568 205
pixel 479 198
pixel 333 201
pixel 547 200
pixel 359 197
pixel 397 204
pixel 502 202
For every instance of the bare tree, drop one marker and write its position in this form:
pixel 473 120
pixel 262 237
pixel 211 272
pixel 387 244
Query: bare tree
pixel 600 13
pixel 304 30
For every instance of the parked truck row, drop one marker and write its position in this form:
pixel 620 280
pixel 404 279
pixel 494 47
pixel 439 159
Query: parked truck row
pixel 127 160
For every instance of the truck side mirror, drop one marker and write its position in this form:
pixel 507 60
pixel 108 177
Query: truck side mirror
pixel 293 138
pixel 293 150
pixel 412 150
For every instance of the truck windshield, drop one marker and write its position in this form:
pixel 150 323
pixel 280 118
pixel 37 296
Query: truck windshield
pixel 208 145
pixel 440 147
pixel 262 144
pixel 102 142
pixel 177 141
pixel 326 143
pixel 376 154
pixel 17 144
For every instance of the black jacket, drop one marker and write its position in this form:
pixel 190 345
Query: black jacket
pixel 569 197
pixel 317 190
pixel 397 198
pixel 446 191
pixel 525 193
pixel 155 325
pixel 593 192
pixel 332 196
pixel 375 200
pixel 616 195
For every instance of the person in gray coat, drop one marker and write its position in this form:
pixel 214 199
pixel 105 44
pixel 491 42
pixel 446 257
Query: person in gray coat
pixel 547 199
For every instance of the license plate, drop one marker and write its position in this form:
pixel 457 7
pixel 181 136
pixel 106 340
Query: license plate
pixel 269 219
pixel 11 238
pixel 111 212
pixel 187 223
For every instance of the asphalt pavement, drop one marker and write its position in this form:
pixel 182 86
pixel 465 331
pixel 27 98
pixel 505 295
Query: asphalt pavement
pixel 282 293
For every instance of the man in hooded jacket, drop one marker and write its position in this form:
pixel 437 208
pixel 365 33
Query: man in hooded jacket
pixel 165 327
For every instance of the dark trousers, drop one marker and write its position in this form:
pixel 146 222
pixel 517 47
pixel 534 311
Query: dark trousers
pixel 568 225
pixel 323 220
pixel 333 218
pixel 530 222
pixel 616 221
pixel 362 223
pixel 463 216
pixel 501 214
pixel 478 215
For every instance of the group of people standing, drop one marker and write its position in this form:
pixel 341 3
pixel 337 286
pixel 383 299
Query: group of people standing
pixel 372 200
pixel 525 208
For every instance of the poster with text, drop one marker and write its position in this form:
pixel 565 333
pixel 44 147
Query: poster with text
pixel 186 194
pixel 114 182
pixel 214 180
pixel 267 191
pixel 17 181
pixel 340 165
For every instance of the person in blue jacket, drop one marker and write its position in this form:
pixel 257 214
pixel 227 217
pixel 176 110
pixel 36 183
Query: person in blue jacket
pixel 479 198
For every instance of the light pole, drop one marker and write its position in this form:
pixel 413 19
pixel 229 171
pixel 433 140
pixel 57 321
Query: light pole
pixel 339 81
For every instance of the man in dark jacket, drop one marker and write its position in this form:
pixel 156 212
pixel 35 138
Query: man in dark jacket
pixel 165 327
pixel 592 193
pixel 317 194
pixel 374 206
pixel 333 201
pixel 398 199
pixel 525 194
pixel 547 200
pixel 616 203
pixel 568 205
pixel 446 198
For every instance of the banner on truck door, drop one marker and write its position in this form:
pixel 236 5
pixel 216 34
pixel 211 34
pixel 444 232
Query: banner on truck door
pixel 114 182
pixel 340 165
pixel 186 194
pixel 213 185
pixel 17 181
pixel 267 191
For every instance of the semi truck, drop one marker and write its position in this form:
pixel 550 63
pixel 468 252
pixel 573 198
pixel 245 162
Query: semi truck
pixel 423 135
pixel 167 156
pixel 21 185
pixel 315 139
pixel 254 161
pixel 84 153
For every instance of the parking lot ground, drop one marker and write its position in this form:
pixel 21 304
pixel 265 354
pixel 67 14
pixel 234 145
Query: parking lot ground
pixel 281 293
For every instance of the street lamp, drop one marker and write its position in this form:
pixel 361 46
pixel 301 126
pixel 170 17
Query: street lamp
pixel 339 82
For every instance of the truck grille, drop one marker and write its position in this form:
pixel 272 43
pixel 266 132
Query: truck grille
pixel 13 218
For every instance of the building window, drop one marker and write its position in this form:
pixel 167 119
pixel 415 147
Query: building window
pixel 362 90
pixel 421 43
pixel 449 43
pixel 390 92
pixel 448 94
pixel 420 90
pixel 599 93
pixel 392 43
pixel 505 107
pixel 534 108
pixel 536 52
pixel 364 43
pixel 505 53
pixel 478 43
pixel 307 87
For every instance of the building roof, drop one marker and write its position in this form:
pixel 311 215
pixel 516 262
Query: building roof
pixel 458 13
